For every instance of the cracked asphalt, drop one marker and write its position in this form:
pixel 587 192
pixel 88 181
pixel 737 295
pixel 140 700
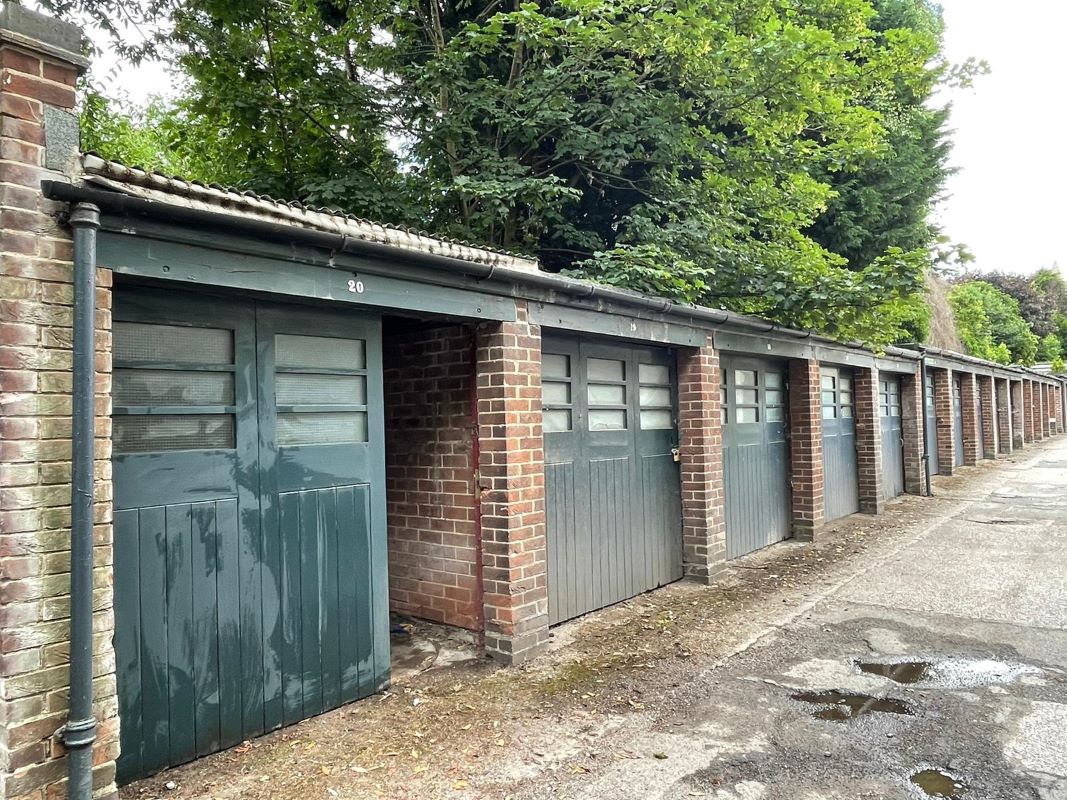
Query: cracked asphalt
pixel 689 692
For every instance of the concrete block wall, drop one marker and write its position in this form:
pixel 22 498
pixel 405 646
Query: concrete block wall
pixel 430 435
pixel 700 443
pixel 40 60
pixel 512 488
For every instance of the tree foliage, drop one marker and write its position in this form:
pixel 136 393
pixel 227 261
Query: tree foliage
pixel 719 153
pixel 991 325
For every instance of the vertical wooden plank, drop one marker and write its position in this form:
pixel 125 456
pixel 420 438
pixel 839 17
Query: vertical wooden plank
pixel 361 536
pixel 292 667
pixel 328 598
pixel 227 590
pixel 155 672
pixel 251 597
pixel 127 549
pixel 180 633
pixel 310 569
pixel 205 628
pixel 349 611
pixel 273 689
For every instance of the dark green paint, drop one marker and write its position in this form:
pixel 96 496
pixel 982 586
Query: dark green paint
pixel 892 428
pixel 841 489
pixel 250 584
pixel 206 266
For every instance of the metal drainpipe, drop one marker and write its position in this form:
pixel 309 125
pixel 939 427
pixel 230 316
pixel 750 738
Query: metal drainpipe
pixel 80 730
pixel 926 438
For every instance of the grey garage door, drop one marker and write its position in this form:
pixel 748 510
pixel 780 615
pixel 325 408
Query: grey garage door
pixel 612 496
pixel 957 419
pixel 250 569
pixel 892 436
pixel 841 489
pixel 930 425
pixel 755 454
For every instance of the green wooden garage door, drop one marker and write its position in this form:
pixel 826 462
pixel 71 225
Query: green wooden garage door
pixel 841 488
pixel 250 568
pixel 612 496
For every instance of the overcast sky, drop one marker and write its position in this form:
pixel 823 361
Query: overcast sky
pixel 1008 202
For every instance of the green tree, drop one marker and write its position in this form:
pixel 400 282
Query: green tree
pixel 677 147
pixel 990 325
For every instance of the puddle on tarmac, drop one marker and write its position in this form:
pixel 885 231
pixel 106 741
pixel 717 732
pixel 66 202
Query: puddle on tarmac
pixel 952 673
pixel 906 672
pixel 937 783
pixel 838 706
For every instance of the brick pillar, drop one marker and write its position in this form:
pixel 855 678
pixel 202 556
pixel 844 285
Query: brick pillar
pixel 512 484
pixel 946 429
pixel 805 447
pixel 1041 429
pixel 969 403
pixel 40 60
pixel 1046 410
pixel 1057 394
pixel 869 441
pixel 700 432
pixel 1030 405
pixel 1018 414
pixel 1005 435
pixel 988 400
pixel 911 410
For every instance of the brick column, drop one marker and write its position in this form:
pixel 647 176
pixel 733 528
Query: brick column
pixel 40 61
pixel 1005 435
pixel 1041 429
pixel 1018 413
pixel 805 448
pixel 869 441
pixel 911 410
pixel 1030 406
pixel 1058 403
pixel 700 441
pixel 946 430
pixel 1046 409
pixel 969 404
pixel 988 400
pixel 512 485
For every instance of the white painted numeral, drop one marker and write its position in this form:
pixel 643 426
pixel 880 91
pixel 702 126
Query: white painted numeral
pixel 356 287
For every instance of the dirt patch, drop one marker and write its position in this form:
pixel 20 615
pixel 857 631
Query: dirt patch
pixel 471 729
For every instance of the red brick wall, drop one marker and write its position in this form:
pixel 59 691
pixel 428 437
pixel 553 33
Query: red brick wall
pixel 1005 439
pixel 1018 413
pixel 988 401
pixel 700 436
pixel 806 467
pixel 911 402
pixel 512 484
pixel 1029 411
pixel 946 429
pixel 869 441
pixel 969 401
pixel 430 475
pixel 35 449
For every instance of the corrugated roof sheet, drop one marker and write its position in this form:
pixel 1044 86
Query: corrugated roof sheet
pixel 156 186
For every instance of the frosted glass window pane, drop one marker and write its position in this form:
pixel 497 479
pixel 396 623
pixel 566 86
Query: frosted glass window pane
pixel 775 414
pixel 746 396
pixel 829 398
pixel 295 388
pixel 164 387
pixel 775 398
pixel 744 377
pixel 607 420
pixel 894 411
pixel 846 382
pixel 601 394
pixel 656 419
pixel 655 396
pixel 846 398
pixel 653 373
pixel 555 392
pixel 829 412
pixel 153 433
pixel 747 414
pixel 137 341
pixel 333 427
pixel 557 420
pixel 555 366
pixel 828 382
pixel 773 380
pixel 603 369
pixel 324 352
pixel 846 411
